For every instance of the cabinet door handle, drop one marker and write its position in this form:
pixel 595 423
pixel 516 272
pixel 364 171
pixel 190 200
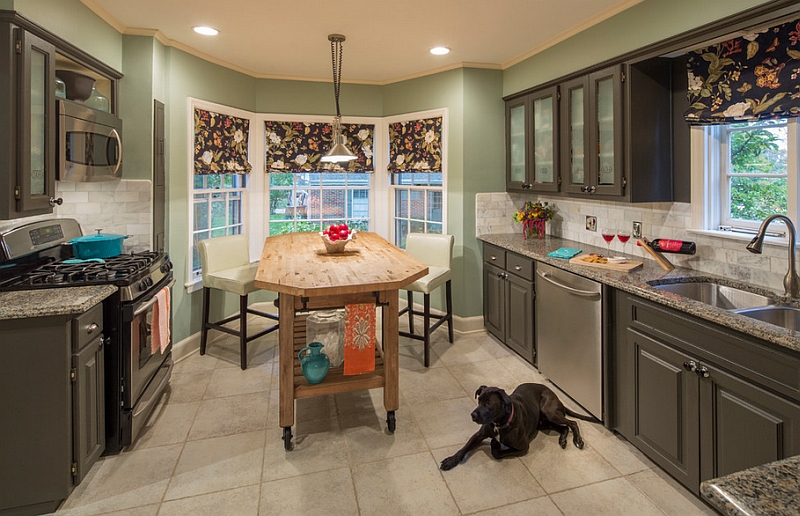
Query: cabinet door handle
pixel 53 201
pixel 690 366
pixel 91 328
pixel 702 372
pixel 500 275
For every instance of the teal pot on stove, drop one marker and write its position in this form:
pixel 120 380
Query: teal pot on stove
pixel 314 363
pixel 101 245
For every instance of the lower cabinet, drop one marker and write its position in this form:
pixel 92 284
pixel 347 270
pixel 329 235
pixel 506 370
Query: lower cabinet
pixel 55 425
pixel 699 401
pixel 508 297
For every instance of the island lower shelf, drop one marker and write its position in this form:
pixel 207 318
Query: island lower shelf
pixel 335 381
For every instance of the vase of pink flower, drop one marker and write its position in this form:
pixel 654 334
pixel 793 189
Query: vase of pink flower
pixel 533 216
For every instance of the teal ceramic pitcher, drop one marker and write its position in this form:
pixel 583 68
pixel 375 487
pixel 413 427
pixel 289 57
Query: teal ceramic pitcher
pixel 314 362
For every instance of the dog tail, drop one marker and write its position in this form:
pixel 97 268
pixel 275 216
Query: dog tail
pixel 577 415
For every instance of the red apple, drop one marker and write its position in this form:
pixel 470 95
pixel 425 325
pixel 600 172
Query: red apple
pixel 343 234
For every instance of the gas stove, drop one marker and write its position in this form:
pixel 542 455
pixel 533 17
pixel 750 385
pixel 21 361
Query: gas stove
pixel 48 262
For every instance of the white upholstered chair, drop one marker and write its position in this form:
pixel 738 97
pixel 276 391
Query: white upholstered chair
pixel 435 251
pixel 226 266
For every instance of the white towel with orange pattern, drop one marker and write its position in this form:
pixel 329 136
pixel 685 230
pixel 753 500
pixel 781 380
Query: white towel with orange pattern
pixel 159 337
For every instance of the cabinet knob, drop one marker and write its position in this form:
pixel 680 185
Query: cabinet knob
pixel 54 201
pixel 499 274
pixel 690 366
pixel 91 328
pixel 494 258
pixel 702 372
pixel 517 267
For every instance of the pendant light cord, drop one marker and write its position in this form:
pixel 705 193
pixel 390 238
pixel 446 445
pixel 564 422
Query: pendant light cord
pixel 336 61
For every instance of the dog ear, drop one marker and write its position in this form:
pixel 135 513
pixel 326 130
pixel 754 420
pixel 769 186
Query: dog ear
pixel 506 399
pixel 480 391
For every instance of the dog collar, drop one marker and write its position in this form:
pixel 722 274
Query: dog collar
pixel 510 417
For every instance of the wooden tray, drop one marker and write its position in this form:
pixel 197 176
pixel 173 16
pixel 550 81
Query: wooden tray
pixel 622 267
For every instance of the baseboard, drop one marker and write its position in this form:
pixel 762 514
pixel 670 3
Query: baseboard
pixel 191 344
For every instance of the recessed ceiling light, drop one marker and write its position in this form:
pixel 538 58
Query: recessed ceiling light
pixel 206 31
pixel 440 51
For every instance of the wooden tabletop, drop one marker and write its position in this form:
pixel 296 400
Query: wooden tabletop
pixel 297 264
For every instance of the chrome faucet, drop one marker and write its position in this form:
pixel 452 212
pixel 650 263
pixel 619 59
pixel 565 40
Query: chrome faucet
pixel 791 282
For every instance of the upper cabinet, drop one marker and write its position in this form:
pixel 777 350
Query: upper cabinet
pixel 27 117
pixel 591 134
pixel 29 57
pixel 604 134
pixel 531 135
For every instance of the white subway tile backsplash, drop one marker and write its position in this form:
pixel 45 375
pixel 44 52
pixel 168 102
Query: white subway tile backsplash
pixel 725 257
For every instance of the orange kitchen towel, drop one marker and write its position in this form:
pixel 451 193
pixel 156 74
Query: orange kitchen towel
pixel 159 336
pixel 359 338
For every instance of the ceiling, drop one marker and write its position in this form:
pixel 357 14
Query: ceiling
pixel 387 41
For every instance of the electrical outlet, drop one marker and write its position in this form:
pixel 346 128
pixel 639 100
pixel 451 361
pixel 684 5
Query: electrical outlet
pixel 637 230
pixel 591 223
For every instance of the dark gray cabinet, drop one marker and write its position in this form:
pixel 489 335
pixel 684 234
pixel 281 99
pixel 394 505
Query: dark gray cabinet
pixel 532 142
pixel 591 134
pixel 27 123
pixel 56 429
pixel 701 401
pixel 508 297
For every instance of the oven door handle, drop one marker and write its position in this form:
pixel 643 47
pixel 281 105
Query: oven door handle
pixel 150 303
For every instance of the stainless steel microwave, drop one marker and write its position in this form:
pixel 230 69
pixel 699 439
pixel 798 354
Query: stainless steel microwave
pixel 89 143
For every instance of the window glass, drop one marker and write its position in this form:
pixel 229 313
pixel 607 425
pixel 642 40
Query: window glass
pixel 217 209
pixel 418 204
pixel 311 201
pixel 755 182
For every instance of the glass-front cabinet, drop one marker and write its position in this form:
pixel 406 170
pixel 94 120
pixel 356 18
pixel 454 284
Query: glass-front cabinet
pixel 591 132
pixel 27 116
pixel 531 136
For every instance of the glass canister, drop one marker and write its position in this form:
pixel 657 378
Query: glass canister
pixel 327 327
pixel 98 101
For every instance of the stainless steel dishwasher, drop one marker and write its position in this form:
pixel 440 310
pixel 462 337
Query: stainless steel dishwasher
pixel 569 333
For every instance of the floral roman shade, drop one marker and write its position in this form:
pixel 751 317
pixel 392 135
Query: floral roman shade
pixel 752 77
pixel 220 143
pixel 299 146
pixel 415 145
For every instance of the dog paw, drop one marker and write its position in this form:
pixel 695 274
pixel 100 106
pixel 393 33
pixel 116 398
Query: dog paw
pixel 496 449
pixel 562 441
pixel 449 463
pixel 578 442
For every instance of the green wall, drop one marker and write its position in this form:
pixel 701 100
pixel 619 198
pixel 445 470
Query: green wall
pixel 76 23
pixel 636 27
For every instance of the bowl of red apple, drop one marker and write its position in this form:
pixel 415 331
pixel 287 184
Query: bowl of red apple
pixel 336 237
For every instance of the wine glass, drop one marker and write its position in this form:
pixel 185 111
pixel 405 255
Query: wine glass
pixel 608 236
pixel 624 235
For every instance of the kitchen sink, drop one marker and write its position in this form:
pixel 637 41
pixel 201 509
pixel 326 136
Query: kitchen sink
pixel 783 316
pixel 720 296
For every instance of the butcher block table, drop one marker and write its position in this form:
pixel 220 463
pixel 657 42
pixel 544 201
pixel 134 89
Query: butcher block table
pixel 370 270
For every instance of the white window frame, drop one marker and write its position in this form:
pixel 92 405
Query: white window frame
pixel 708 177
pixel 391 188
pixel 378 183
pixel 193 279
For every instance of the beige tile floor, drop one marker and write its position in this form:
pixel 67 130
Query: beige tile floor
pixel 214 447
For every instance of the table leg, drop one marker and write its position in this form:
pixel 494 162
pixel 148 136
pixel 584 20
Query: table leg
pixel 286 350
pixel 389 314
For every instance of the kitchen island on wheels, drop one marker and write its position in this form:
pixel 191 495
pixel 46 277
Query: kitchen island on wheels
pixel 370 271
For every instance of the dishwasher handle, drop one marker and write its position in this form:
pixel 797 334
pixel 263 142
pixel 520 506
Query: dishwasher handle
pixel 577 292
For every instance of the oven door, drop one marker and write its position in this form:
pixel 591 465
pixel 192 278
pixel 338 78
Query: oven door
pixel 142 357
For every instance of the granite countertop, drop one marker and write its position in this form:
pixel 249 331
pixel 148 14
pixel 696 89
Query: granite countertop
pixel 772 489
pixel 22 304
pixel 636 282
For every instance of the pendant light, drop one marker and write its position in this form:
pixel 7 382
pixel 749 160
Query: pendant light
pixel 338 153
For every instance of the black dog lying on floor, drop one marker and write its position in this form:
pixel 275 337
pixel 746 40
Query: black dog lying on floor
pixel 512 421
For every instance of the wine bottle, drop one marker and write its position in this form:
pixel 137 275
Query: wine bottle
pixel 666 245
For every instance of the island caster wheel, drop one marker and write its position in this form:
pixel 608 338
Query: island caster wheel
pixel 288 445
pixel 390 421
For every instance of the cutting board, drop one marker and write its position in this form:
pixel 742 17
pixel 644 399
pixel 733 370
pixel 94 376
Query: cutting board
pixel 621 267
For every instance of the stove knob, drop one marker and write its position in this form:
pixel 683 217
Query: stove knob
pixel 149 282
pixel 143 285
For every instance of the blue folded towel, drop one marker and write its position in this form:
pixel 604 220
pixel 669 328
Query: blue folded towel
pixel 564 252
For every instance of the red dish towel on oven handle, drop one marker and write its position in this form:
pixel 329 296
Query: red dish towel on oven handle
pixel 159 337
pixel 359 338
